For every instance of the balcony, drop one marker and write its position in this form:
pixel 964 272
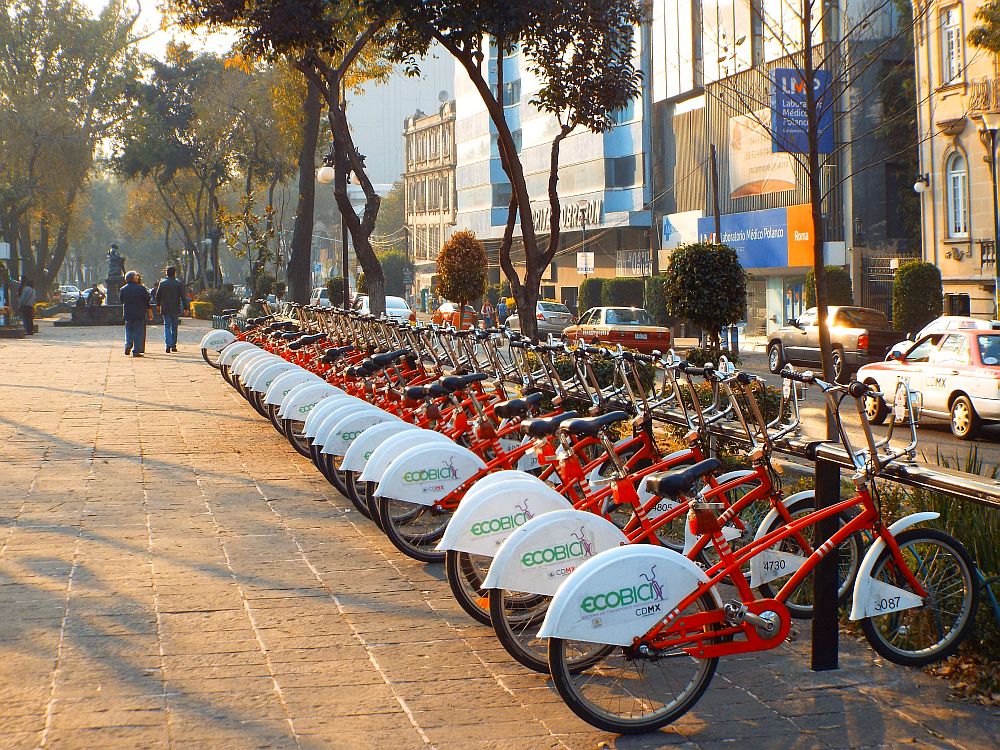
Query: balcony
pixel 984 94
pixel 987 254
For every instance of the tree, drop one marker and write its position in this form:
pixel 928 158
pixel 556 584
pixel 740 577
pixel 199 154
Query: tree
pixel 987 33
pixel 917 296
pixel 706 285
pixel 838 287
pixel 395 265
pixel 581 51
pixel 390 228
pixel 589 295
pixel 299 271
pixel 461 268
pixel 335 290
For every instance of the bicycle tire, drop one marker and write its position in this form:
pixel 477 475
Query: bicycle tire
pixel 227 376
pixel 208 357
pixel 466 574
pixel 933 574
pixel 372 502
pixel 272 414
pixel 357 498
pixel 517 633
pixel 590 680
pixel 413 529
pixel 333 472
pixel 293 431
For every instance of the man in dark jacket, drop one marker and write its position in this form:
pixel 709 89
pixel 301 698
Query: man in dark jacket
pixel 171 299
pixel 135 302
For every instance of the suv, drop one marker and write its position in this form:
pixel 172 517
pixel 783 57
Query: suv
pixel 859 335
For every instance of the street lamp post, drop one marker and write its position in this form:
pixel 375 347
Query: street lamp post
pixel 326 175
pixel 583 205
pixel 991 122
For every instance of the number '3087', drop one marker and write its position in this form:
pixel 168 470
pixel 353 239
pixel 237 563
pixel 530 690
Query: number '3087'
pixel 885 605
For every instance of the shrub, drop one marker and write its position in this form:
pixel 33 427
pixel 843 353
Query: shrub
pixel 202 310
pixel 361 284
pixel 622 292
pixel 917 297
pixel 222 298
pixel 263 285
pixel 698 356
pixel 335 290
pixel 461 268
pixel 838 287
pixel 589 295
pixel 707 285
pixel 656 299
pixel 394 267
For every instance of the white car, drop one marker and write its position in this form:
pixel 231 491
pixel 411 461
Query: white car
pixel 320 296
pixel 395 308
pixel 69 293
pixel 942 325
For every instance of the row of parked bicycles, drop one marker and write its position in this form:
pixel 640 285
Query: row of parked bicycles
pixel 534 473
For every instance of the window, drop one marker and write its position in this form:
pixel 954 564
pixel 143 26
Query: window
pixel 625 114
pixel 619 172
pixel 954 350
pixel 856 317
pixel 512 93
pixel 951 45
pixel 957 182
pixel 957 304
pixel 989 349
pixel 501 195
pixel 808 318
pixel 922 350
pixel 624 316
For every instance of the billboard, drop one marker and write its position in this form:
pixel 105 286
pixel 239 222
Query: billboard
pixel 679 229
pixel 788 112
pixel 754 168
pixel 773 238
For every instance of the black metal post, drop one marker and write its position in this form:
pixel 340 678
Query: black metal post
pixel 716 212
pixel 825 635
pixel 996 224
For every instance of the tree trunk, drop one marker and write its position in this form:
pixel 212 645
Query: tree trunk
pixel 299 272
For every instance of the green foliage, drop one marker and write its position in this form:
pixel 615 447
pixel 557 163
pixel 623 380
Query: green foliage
pixel 222 298
pixel 656 299
pixel 495 291
pixel 263 284
pixel 335 290
pixel 389 226
pixel 698 356
pixel 461 268
pixel 917 297
pixel 987 33
pixel 202 310
pixel 361 284
pixel 838 287
pixel 394 265
pixel 589 295
pixel 706 285
pixel 622 292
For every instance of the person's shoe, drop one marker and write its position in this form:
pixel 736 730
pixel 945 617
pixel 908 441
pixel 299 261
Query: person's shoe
pixel 174 349
pixel 128 352
pixel 168 350
pixel 137 354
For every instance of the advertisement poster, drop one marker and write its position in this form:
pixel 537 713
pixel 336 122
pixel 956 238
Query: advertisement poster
pixel 772 238
pixel 788 112
pixel 753 168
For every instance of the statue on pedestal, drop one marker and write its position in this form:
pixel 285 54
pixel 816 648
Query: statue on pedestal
pixel 116 274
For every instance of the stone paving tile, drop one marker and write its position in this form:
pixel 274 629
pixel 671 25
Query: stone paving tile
pixel 174 575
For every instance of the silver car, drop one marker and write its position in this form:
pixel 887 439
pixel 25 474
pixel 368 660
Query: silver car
pixel 553 317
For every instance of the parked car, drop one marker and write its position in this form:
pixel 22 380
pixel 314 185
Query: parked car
pixel 320 296
pixel 395 308
pixel 69 293
pixel 942 325
pixel 552 317
pixel 447 314
pixel 631 327
pixel 859 335
pixel 955 376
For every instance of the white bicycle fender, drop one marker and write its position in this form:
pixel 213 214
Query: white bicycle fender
pixel 539 556
pixel 425 474
pixel 620 594
pixel 361 449
pixel 217 339
pixel 395 445
pixel 873 597
pixel 284 383
pixel 488 515
pixel 263 377
pixel 320 412
pixel 350 427
pixel 245 359
pixel 235 349
pixel 324 433
pixel 772 563
pixel 249 373
pixel 302 400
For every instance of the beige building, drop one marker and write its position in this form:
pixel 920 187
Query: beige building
pixel 956 85
pixel 429 179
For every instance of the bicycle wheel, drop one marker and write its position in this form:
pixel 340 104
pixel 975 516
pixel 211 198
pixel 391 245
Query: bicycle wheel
pixel 212 357
pixel 372 502
pixel 293 431
pixel 919 636
pixel 333 472
pixel 414 529
pixel 355 493
pixel 272 413
pixel 466 573
pixel 800 600
pixel 629 692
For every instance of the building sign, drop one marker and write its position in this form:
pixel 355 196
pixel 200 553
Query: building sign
pixel 753 168
pixel 788 112
pixel 679 229
pixel 633 263
pixel 585 262
pixel 773 238
pixel 570 215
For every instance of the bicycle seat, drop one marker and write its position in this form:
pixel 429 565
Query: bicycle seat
pixel 384 360
pixel 458 382
pixel 543 426
pixel 311 338
pixel 359 371
pixel 289 335
pixel 516 407
pixel 679 481
pixel 590 426
pixel 420 392
pixel 332 355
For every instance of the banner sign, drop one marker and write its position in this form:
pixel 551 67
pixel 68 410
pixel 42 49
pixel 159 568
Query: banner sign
pixel 773 238
pixel 754 169
pixel 788 112
pixel 585 262
pixel 679 229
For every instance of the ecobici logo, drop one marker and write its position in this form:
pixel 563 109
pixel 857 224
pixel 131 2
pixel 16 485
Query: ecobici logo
pixel 580 547
pixel 644 594
pixel 444 472
pixel 504 523
pixel 349 436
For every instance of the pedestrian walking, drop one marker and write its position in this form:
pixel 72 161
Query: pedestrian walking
pixel 489 314
pixel 171 298
pixel 135 309
pixel 26 299
pixel 503 312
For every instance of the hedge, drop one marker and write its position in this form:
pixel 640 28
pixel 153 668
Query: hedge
pixel 917 297
pixel 622 292
pixel 589 295
pixel 202 310
pixel 656 299
pixel 838 287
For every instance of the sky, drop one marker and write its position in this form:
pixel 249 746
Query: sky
pixel 150 21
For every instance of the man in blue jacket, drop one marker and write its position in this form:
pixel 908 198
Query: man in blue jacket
pixel 171 299
pixel 135 307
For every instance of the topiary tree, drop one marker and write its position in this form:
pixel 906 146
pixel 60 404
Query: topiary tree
pixel 622 291
pixel 838 287
pixel 707 285
pixel 335 290
pixel 461 270
pixel 917 297
pixel 589 295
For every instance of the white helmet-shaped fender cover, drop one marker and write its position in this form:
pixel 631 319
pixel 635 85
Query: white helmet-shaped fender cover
pixel 249 371
pixel 425 474
pixel 488 514
pixel 395 445
pixel 361 449
pixel 773 563
pixel 235 349
pixel 324 432
pixel 263 377
pixel 322 410
pixel 244 359
pixel 217 339
pixel 540 555
pixel 283 384
pixel 620 594
pixel 347 429
pixel 872 597
pixel 303 399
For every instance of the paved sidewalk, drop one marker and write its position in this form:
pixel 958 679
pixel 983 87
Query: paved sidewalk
pixel 173 574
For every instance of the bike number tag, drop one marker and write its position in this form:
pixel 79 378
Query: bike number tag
pixel 786 390
pixel 899 404
pixel 884 598
pixel 771 564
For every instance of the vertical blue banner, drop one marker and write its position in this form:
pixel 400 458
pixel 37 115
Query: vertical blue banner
pixel 788 112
